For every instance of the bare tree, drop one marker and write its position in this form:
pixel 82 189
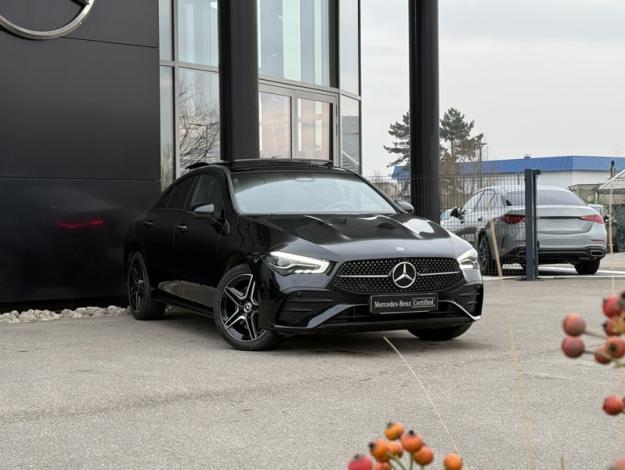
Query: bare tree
pixel 198 123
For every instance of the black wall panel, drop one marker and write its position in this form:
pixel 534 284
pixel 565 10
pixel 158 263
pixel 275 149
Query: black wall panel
pixel 79 109
pixel 63 238
pixel 79 146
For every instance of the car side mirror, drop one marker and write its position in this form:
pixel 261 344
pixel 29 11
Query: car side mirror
pixel 405 206
pixel 205 210
pixel 455 213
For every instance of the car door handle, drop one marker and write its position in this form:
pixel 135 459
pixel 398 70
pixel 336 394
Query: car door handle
pixel 182 228
pixel 148 224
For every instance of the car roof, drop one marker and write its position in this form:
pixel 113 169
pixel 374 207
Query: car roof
pixel 253 164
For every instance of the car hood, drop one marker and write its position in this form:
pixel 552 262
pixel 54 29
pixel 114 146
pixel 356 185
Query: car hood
pixel 341 237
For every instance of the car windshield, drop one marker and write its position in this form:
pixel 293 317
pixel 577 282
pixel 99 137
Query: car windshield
pixel 546 197
pixel 306 192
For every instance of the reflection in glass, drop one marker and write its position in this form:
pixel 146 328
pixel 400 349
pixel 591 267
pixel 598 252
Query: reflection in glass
pixel 294 40
pixel 165 28
pixel 167 126
pixel 198 32
pixel 313 129
pixel 198 116
pixel 349 53
pixel 350 134
pixel 275 125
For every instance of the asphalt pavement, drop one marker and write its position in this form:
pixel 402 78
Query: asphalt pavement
pixel 118 393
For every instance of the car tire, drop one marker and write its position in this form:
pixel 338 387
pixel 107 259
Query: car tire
pixel 441 334
pixel 589 267
pixel 140 301
pixel 235 311
pixel 485 258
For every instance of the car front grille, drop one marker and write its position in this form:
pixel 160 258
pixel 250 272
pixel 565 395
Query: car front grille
pixel 374 276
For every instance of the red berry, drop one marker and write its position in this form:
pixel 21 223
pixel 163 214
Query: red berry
pixel 424 456
pixel 615 347
pixel 613 405
pixel 602 356
pixel 395 448
pixel 573 347
pixel 394 431
pixel 411 442
pixel 379 450
pixel 618 465
pixel 612 306
pixel 574 325
pixel 610 327
pixel 360 462
pixel 453 462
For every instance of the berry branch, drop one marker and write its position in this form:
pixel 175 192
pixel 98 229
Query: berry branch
pixel 387 452
pixel 612 351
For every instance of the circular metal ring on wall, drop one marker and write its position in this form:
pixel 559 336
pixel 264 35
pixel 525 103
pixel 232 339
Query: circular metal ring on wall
pixel 87 6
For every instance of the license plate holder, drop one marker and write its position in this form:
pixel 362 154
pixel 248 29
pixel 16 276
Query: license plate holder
pixel 403 303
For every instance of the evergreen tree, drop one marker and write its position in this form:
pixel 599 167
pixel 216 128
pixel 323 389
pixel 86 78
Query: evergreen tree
pixel 400 131
pixel 457 142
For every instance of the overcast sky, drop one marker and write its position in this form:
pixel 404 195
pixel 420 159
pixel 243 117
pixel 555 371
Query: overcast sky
pixel 539 77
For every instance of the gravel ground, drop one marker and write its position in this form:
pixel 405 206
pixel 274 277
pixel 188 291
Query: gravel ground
pixel 33 315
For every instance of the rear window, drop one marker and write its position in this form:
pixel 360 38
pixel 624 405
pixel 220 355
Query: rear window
pixel 546 197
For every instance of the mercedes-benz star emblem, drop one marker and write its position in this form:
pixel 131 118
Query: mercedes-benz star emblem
pixel 404 274
pixel 86 7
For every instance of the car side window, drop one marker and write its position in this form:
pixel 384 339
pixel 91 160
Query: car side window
pixel 164 200
pixel 485 201
pixel 180 194
pixel 497 201
pixel 208 191
pixel 471 203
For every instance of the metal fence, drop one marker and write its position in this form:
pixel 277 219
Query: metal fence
pixel 489 212
pixel 455 189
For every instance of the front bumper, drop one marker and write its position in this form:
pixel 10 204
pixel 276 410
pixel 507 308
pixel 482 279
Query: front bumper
pixel 293 308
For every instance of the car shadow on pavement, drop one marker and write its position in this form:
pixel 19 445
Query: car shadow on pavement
pixel 356 344
pixel 374 343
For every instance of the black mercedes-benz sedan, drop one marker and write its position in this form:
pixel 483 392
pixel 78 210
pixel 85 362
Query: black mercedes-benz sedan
pixel 274 247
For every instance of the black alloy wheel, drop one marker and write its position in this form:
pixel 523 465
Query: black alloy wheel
pixel 588 267
pixel 484 257
pixel 140 291
pixel 236 312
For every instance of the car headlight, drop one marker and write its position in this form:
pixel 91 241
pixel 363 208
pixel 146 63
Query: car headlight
pixel 288 263
pixel 468 260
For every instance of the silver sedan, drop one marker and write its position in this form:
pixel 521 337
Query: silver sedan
pixel 569 231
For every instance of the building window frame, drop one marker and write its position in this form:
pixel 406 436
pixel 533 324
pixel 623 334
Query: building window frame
pixel 271 84
pixel 307 93
pixel 176 66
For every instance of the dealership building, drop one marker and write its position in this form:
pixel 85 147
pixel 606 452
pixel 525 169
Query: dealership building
pixel 105 102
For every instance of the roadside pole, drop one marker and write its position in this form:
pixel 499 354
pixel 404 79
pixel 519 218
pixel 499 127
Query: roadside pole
pixel 531 232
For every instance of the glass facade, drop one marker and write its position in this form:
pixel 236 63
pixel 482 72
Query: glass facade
pixel 198 32
pixel 198 116
pixel 275 125
pixel 164 27
pixel 350 134
pixel 313 129
pixel 309 81
pixel 349 19
pixel 294 40
pixel 168 163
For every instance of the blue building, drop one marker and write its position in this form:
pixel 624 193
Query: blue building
pixel 565 171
